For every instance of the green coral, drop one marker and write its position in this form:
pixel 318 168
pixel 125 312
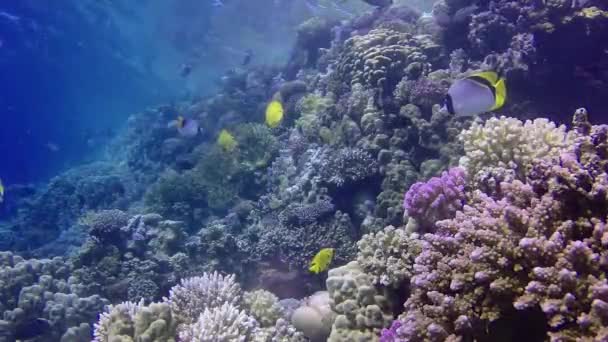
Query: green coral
pixel 312 109
pixel 256 146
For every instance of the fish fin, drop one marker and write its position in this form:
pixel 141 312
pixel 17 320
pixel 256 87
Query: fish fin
pixel 314 268
pixel 490 76
pixel 181 121
pixel 500 94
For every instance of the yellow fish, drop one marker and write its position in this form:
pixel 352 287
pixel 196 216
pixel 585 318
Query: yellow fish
pixel 274 113
pixel 226 140
pixel 322 260
pixel 1 191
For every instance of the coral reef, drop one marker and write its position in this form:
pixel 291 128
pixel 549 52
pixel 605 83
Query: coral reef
pixel 205 308
pixel 388 256
pixel 361 310
pixel 188 299
pixel 437 199
pixel 40 289
pixel 382 57
pixel 511 144
pixel 223 323
pixel 533 249
pixel 263 306
pixel 130 321
pixel 444 228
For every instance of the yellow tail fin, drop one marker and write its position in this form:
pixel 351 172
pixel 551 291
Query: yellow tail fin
pixel 501 94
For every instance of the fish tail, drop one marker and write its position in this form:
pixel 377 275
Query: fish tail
pixel 501 94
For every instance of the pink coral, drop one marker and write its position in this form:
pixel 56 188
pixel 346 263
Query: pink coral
pixel 540 244
pixel 437 199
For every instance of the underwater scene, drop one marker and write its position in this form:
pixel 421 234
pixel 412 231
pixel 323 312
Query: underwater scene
pixel 303 170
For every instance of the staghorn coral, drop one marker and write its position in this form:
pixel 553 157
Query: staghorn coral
pixel 362 311
pixel 388 255
pixel 222 323
pixel 193 295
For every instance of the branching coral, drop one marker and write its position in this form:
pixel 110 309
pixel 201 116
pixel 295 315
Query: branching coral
pixel 296 245
pixel 539 245
pixel 223 323
pixel 388 255
pixel 510 143
pixel 193 295
pixel 130 322
pixel 437 199
pixel 304 214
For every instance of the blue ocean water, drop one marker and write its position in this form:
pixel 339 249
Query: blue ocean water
pixel 63 84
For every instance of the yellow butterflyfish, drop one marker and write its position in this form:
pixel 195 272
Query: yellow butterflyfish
pixel 321 261
pixel 1 191
pixel 226 140
pixel 274 113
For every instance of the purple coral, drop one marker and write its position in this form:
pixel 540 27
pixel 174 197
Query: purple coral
pixel 390 334
pixel 437 199
pixel 538 244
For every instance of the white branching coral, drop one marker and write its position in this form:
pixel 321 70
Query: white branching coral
pixel 116 321
pixel 388 255
pixel 510 143
pixel 224 323
pixel 128 322
pixel 193 295
pixel 264 306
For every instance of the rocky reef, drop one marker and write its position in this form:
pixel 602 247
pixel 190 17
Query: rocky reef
pixel 444 228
